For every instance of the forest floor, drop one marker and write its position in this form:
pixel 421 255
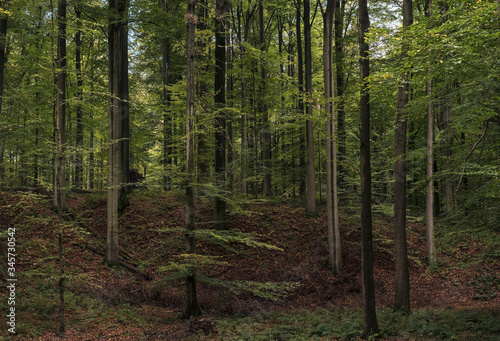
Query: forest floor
pixel 456 299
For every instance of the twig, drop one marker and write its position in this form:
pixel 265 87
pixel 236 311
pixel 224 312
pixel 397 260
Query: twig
pixel 485 123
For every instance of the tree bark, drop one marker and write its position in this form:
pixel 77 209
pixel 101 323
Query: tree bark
pixel 220 119
pixel 339 101
pixel 402 281
pixel 60 136
pixel 60 122
pixel 429 202
pixel 192 308
pixel 167 132
pixel 300 104
pixel 448 136
pixel 118 123
pixel 3 56
pixel 310 177
pixel 79 109
pixel 266 135
pixel 334 247
pixel 368 289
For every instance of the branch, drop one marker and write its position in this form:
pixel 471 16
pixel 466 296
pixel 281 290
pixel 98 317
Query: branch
pixel 485 123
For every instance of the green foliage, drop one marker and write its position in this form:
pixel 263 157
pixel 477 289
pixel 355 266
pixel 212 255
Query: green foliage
pixel 347 325
pixel 199 265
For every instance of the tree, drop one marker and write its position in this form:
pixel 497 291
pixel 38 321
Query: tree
pixel 429 202
pixel 166 65
pixel 118 122
pixel 300 104
pixel 368 288
pixel 310 178
pixel 60 122
pixel 60 136
pixel 192 308
pixel 4 17
pixel 79 109
pixel 340 88
pixel 220 118
pixel 266 136
pixel 334 246
pixel 402 282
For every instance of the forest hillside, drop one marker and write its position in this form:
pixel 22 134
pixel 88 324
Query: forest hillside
pixel 456 299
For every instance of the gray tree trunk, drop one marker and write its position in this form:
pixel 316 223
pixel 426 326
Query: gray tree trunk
pixel 192 308
pixel 402 281
pixel 310 177
pixel 368 288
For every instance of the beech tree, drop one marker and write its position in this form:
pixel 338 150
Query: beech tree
pixel 334 246
pixel 220 118
pixel 60 141
pixel 429 142
pixel 402 282
pixel 192 308
pixel 118 122
pixel 4 17
pixel 310 179
pixel 368 287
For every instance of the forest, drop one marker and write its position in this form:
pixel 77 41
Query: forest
pixel 250 169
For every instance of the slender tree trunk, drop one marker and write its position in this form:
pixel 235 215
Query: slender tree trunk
pixel 339 102
pixel 310 178
pixel 335 254
pixel 167 122
pixel 91 159
pixel 244 123
pixel 202 88
pixel 300 76
pixel 229 122
pixel 368 288
pixel 266 135
pixel 60 135
pixel 429 202
pixel 123 93
pixel 3 56
pixel 448 136
pixel 60 122
pixel 402 282
pixel 220 119
pixel 79 109
pixel 118 123
pixel 192 308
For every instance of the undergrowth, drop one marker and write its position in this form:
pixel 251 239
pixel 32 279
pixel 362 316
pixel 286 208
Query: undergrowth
pixel 324 324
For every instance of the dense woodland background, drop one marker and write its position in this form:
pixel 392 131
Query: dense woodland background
pixel 211 118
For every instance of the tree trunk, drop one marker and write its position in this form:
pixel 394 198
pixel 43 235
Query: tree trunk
pixel 118 123
pixel 310 177
pixel 335 255
pixel 429 202
pixel 79 109
pixel 220 119
pixel 266 135
pixel 300 105
pixel 448 133
pixel 339 102
pixel 3 56
pixel 60 136
pixel 368 289
pixel 192 308
pixel 167 133
pixel 202 86
pixel 60 121
pixel 402 282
